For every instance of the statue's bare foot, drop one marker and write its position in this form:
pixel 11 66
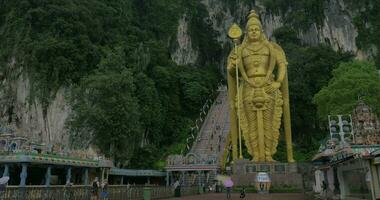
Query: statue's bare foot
pixel 255 160
pixel 270 159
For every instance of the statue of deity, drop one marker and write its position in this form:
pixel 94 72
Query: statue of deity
pixel 258 94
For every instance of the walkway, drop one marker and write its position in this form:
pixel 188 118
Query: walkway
pixel 235 196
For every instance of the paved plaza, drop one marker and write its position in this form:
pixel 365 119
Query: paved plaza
pixel 222 196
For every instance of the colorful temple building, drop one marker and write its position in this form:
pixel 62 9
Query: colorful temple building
pixel 28 163
pixel 350 167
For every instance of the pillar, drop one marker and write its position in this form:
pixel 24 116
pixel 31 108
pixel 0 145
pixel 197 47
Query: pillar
pixel 372 174
pixel 23 174
pixel 102 177
pixel 200 188
pixel 85 178
pixel 330 179
pixel 68 175
pixel 107 173
pixel 148 180
pixel 344 191
pixel 122 180
pixel 48 176
pixel 171 180
pixel 199 178
pixel 167 179
pixel 6 170
pixel 183 178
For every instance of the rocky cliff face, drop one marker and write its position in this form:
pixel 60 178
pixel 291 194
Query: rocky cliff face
pixel 27 117
pixel 184 53
pixel 337 29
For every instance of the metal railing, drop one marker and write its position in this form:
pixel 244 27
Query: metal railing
pixel 80 192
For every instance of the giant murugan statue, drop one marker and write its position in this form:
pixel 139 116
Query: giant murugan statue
pixel 258 93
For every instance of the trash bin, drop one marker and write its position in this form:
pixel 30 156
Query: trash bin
pixel 147 193
pixel 177 191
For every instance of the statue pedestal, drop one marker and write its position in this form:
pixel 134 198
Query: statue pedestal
pixel 282 175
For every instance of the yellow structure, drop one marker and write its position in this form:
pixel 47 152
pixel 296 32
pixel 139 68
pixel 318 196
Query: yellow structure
pixel 258 97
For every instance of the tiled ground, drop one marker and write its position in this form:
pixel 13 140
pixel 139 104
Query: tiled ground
pixel 222 196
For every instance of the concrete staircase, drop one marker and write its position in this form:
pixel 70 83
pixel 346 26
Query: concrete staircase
pixel 212 138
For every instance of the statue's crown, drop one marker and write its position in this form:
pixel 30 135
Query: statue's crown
pixel 253 19
pixel 253 14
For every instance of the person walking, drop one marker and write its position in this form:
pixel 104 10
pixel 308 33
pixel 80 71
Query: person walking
pixel 104 194
pixel 228 192
pixel 242 193
pixel 68 192
pixel 228 184
pixel 95 189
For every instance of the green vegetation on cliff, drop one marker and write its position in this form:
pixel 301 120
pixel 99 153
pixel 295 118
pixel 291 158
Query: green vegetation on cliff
pixel 127 94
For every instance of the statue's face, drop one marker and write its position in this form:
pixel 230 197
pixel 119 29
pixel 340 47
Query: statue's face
pixel 254 33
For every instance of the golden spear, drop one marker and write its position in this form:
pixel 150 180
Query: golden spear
pixel 235 33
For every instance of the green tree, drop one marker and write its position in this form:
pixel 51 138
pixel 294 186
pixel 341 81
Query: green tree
pixel 105 105
pixel 350 81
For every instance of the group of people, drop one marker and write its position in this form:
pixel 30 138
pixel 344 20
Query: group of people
pixel 99 190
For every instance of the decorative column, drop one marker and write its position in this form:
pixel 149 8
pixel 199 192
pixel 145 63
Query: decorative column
pixel 68 175
pixel 102 177
pixel 199 178
pixel 6 170
pixel 85 178
pixel 171 178
pixel 148 179
pixel 122 180
pixel 200 189
pixel 23 174
pixel 48 176
pixel 167 179
pixel 183 178
pixel 344 190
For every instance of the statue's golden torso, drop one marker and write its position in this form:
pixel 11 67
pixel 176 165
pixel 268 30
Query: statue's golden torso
pixel 256 62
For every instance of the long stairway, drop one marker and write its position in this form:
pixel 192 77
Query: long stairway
pixel 212 138
pixel 201 165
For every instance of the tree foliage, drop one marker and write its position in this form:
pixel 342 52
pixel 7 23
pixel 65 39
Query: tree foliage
pixel 351 81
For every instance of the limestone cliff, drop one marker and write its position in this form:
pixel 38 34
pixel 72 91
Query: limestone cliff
pixel 184 53
pixel 336 30
pixel 27 117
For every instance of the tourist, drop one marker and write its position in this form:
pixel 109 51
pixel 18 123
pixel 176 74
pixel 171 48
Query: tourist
pixel 95 189
pixel 228 191
pixel 242 193
pixel 68 192
pixel 104 194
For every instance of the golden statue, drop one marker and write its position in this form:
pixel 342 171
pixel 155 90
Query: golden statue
pixel 258 97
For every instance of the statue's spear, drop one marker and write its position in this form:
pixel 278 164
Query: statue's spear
pixel 235 33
